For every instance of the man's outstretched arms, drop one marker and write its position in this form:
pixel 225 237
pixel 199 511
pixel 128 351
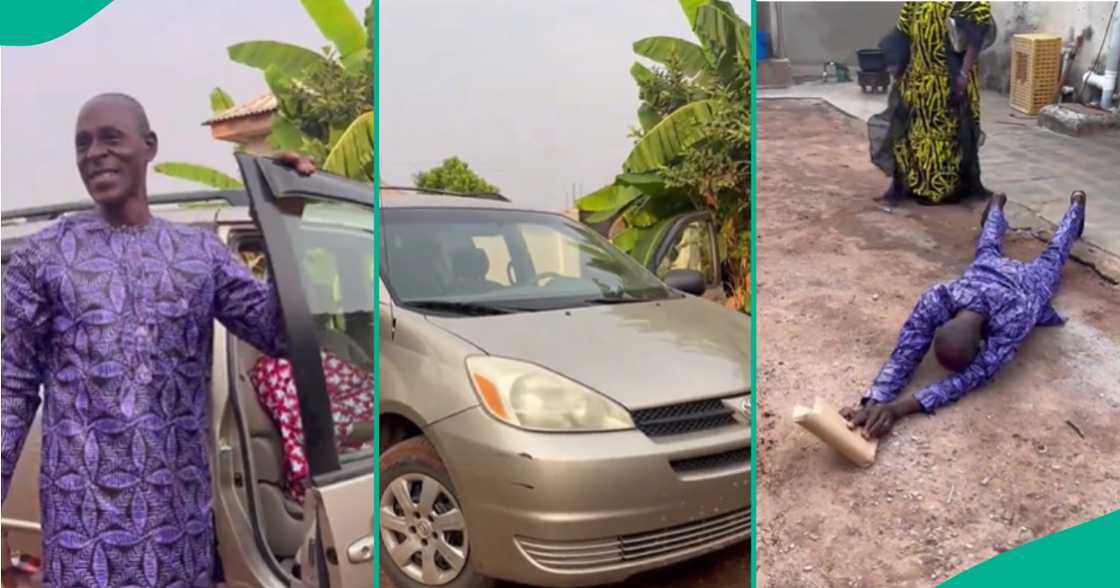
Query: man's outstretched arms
pixel 934 308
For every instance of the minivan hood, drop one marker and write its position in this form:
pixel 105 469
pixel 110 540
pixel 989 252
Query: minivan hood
pixel 640 354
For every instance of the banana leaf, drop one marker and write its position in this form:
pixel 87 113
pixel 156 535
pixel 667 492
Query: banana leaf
pixel 690 7
pixel 646 241
pixel 650 184
pixel 658 208
pixel 601 216
pixel 628 239
pixel 725 36
pixel 352 155
pixel 220 101
pixel 285 136
pixel 664 49
pixel 200 174
pixel 339 24
pixel 641 73
pixel 670 137
pixel 612 198
pixel 293 60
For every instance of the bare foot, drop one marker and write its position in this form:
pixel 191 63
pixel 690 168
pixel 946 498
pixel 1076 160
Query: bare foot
pixel 1079 197
pixel 997 200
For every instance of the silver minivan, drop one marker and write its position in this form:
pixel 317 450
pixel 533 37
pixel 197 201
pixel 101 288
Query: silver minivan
pixel 551 413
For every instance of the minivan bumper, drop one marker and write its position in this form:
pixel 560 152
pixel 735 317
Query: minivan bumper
pixel 585 509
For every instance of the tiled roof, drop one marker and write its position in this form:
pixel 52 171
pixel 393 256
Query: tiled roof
pixel 262 104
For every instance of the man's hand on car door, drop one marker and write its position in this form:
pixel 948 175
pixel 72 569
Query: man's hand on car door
pixel 303 164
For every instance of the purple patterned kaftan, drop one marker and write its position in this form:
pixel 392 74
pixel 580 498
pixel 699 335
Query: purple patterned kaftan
pixel 116 325
pixel 1012 295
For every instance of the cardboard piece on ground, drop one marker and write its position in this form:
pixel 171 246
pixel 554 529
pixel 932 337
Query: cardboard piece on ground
pixel 826 423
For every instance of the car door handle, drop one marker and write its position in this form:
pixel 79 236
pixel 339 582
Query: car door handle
pixel 361 551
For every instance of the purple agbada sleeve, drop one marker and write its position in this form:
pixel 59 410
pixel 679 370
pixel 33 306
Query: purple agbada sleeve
pixel 248 307
pixel 27 318
pixel 1000 346
pixel 934 308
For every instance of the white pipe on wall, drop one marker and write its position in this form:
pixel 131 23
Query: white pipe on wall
pixel 1107 83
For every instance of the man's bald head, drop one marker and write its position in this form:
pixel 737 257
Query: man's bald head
pixel 124 101
pixel 958 341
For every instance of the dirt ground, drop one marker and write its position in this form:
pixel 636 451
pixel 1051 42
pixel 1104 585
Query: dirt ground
pixel 1034 452
pixel 723 569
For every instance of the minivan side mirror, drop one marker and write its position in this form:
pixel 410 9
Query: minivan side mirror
pixel 687 281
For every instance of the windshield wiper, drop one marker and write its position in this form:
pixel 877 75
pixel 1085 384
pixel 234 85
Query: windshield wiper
pixel 463 308
pixel 615 299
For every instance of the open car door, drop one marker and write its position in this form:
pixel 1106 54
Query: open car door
pixel 318 232
pixel 690 244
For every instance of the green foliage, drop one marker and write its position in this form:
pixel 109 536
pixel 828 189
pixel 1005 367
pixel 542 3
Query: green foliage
pixel 291 59
pixel 220 101
pixel 338 24
pixel 454 175
pixel 692 148
pixel 200 174
pixel 351 155
pixel 690 56
pixel 325 98
pixel 325 110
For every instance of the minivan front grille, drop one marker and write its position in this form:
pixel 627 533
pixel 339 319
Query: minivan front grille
pixel 688 417
pixel 715 461
pixel 587 556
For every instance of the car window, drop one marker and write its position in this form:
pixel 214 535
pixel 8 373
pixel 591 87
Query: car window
pixel 521 260
pixel 335 252
pixel 693 248
pixel 550 254
pixel 497 258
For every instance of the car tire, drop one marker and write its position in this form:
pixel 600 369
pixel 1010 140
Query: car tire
pixel 409 459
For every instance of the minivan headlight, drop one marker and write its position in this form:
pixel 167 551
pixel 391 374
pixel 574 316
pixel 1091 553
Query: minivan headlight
pixel 531 397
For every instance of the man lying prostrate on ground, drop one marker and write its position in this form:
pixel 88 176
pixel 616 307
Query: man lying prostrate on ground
pixel 975 323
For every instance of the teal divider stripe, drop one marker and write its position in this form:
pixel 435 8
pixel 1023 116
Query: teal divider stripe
pixel 755 441
pixel 1085 556
pixel 376 580
pixel 39 21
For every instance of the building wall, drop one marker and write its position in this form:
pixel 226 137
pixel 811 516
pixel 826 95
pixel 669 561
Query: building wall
pixel 814 33
pixel 1066 19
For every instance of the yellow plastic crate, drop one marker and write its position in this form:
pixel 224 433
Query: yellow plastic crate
pixel 1036 65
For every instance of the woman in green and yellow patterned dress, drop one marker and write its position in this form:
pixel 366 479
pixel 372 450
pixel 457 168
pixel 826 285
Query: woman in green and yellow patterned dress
pixel 929 137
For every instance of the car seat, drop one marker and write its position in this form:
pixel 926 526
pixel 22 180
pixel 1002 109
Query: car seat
pixel 469 266
pixel 281 519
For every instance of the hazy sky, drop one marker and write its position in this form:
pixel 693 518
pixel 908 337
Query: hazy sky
pixel 169 55
pixel 534 95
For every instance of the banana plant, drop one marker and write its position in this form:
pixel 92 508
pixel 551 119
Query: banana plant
pixel 348 150
pixel 199 174
pixel 639 196
pixel 352 153
pixel 335 20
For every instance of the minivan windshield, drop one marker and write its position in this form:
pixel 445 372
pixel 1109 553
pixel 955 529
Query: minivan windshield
pixel 463 261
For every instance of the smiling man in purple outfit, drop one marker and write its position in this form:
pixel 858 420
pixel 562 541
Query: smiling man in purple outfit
pixel 111 313
pixel 975 323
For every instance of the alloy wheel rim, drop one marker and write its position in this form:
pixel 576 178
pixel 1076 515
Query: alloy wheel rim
pixel 423 530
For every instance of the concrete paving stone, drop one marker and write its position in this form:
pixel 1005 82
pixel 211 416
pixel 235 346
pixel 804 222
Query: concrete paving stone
pixel 1036 167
